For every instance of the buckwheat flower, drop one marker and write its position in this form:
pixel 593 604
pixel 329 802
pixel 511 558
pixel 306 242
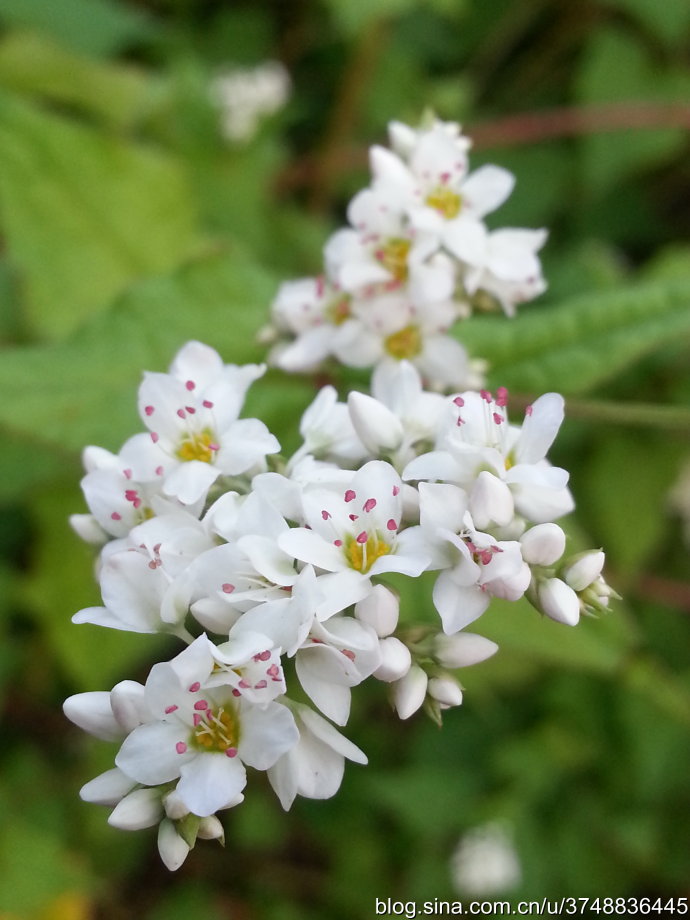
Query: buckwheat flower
pixel 505 266
pixel 393 329
pixel 246 95
pixel 202 736
pixel 314 767
pixel 409 692
pixel 192 414
pixel 477 437
pixel 308 311
pixel 558 600
pixel 383 250
pixel 357 529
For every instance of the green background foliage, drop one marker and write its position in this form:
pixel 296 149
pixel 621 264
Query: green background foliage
pixel 129 224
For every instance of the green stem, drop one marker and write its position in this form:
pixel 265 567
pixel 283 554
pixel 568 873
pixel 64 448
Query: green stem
pixel 648 415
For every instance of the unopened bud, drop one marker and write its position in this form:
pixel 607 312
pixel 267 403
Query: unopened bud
pixel 462 649
pixel 445 690
pixel 211 829
pixel 141 808
pixel 172 848
pixel 395 660
pixel 584 569
pixel 410 691
pixel 558 601
pixel 543 544
pixel 377 427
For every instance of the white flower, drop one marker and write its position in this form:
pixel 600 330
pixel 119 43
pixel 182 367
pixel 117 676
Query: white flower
pixel 246 95
pixel 314 767
pixel 543 544
pixel 462 649
pixel 505 265
pixel 477 437
pixel 192 414
pixel 410 692
pixel 202 736
pixel 357 529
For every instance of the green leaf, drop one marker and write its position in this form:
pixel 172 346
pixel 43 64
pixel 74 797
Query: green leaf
pixel 84 390
pixel 93 26
pixel 84 214
pixel 669 20
pixel 577 345
pixel 629 530
pixel 35 65
pixel 617 68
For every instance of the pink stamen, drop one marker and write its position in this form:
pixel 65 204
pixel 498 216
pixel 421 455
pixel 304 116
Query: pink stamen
pixel 396 491
pixel 197 720
pixel 244 684
pixel 127 474
pixel 362 537
pixel 353 517
pixel 190 384
pixel 181 413
pixel 498 418
pixel 170 709
pixel 460 421
pixel 115 516
pixel 190 409
pixel 337 543
pixel 149 410
pixel 501 397
pixel 350 495
pixel 207 404
pixel 261 685
pixel 236 692
pixel 486 395
pixel 159 471
pixel 180 747
pixel 231 752
pixel 348 653
pixel 228 588
pixel 264 656
pixel 200 705
pixel 391 524
pixel 370 504
pixel 528 410
pixel 459 402
pixel 273 671
pixel 194 687
pixel 154 437
pixel 326 515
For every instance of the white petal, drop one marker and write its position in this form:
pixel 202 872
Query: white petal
pixel 93 713
pixel 108 788
pixel 141 808
pixel 210 782
pixel 172 848
pixel 458 606
pixel 266 734
pixel 149 753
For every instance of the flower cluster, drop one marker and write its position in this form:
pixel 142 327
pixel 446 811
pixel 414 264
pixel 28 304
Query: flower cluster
pixel 416 258
pixel 272 574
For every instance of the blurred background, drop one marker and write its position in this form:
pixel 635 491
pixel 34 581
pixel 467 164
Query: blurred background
pixel 164 165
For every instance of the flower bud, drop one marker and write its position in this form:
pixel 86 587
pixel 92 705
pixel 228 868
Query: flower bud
pixel 558 601
pixel 462 649
pixel 175 808
pixel 445 690
pixel 584 569
pixel 396 660
pixel 108 788
pixel 379 609
pixel 88 529
pixel 491 501
pixel 409 692
pixel 543 544
pixel 377 427
pixel 141 808
pixel 172 848
pixel 211 829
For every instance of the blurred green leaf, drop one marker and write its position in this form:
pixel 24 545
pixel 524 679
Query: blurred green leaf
pixel 576 345
pixel 93 26
pixel 669 20
pixel 35 65
pixel 630 530
pixel 617 68
pixel 84 214
pixel 84 390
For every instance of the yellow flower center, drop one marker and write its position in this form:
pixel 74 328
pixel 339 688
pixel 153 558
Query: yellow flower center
pixel 393 256
pixel 361 555
pixel 445 201
pixel 338 310
pixel 197 446
pixel 407 343
pixel 217 731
